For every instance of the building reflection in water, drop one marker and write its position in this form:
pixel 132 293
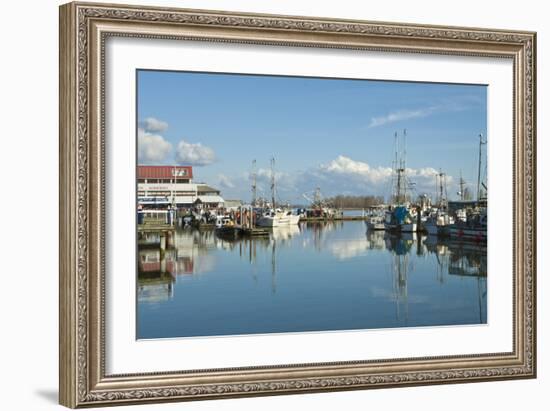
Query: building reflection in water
pixel 164 256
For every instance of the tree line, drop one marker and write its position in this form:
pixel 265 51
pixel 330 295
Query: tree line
pixel 347 201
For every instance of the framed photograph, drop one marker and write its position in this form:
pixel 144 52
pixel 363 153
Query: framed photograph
pixel 260 204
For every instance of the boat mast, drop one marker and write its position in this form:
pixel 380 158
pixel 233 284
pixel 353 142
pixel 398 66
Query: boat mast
pixel 481 142
pixel 446 194
pixel 404 165
pixel 317 198
pixel 400 155
pixel 273 182
pixel 442 197
pixel 396 167
pixel 462 186
pixel 254 191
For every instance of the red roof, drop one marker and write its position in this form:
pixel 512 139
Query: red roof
pixel 165 172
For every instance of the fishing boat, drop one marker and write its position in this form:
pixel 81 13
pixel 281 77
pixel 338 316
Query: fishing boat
pixel 375 222
pixel 410 223
pixel 438 223
pixel 438 220
pixel 401 217
pixel 474 228
pixel 319 208
pixel 226 228
pixel 276 217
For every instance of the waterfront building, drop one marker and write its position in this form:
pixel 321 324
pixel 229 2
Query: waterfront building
pixel 174 185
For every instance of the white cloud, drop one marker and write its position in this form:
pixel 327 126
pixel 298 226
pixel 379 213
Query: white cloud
pixel 225 182
pixel 153 125
pixel 346 166
pixel 194 154
pixel 458 103
pixel 152 148
pixel 342 175
pixel 400 115
pixel 344 250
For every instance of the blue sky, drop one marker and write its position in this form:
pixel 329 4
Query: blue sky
pixel 337 134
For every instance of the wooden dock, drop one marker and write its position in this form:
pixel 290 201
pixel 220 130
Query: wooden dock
pixel 149 224
pixel 152 228
pixel 235 232
pixel 254 232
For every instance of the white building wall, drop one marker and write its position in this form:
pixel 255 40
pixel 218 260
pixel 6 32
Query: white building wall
pixel 183 193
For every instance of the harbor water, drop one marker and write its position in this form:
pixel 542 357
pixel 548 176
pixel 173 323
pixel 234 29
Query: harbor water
pixel 321 276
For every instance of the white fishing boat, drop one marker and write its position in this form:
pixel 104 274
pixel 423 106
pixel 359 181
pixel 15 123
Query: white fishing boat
pixel 438 223
pixel 278 218
pixel 375 222
pixel 438 220
pixel 224 221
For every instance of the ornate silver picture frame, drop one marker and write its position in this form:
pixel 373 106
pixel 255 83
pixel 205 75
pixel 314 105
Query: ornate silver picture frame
pixel 84 30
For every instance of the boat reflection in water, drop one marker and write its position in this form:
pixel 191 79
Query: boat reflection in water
pixel 309 277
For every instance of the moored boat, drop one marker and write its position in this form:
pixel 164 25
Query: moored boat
pixel 226 228
pixel 438 223
pixel 400 219
pixel 474 228
pixel 375 222
pixel 278 218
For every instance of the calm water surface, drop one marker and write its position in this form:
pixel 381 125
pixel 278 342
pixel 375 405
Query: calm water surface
pixel 312 277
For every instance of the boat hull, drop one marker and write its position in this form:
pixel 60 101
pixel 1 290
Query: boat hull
pixel 227 232
pixel 431 229
pixel 468 233
pixel 375 226
pixel 278 221
pixel 409 228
